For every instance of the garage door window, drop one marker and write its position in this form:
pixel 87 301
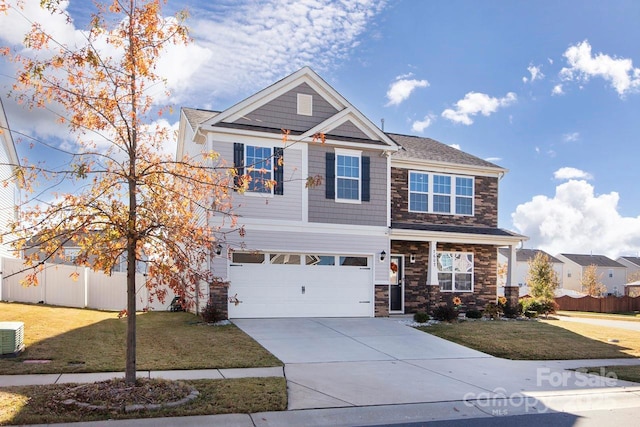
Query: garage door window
pixel 285 259
pixel 320 260
pixel 248 258
pixel 353 261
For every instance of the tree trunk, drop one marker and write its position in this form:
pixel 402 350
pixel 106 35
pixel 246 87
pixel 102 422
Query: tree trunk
pixel 130 374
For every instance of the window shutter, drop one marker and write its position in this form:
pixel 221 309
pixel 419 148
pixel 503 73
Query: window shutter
pixel 330 185
pixel 238 163
pixel 278 170
pixel 366 179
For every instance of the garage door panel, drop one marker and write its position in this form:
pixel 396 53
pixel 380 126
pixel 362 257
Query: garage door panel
pixel 267 290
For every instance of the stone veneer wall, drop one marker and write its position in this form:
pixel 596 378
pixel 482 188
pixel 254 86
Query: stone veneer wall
pixel 512 294
pixel 418 296
pixel 219 296
pixel 382 300
pixel 485 203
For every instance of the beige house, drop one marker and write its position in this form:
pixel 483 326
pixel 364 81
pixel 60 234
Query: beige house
pixel 611 273
pixel 523 256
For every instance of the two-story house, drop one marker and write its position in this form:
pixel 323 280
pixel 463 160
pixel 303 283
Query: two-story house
pixel 633 267
pixel 376 216
pixel 611 273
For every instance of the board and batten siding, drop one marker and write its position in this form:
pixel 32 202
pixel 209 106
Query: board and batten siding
pixel 281 113
pixel 265 206
pixel 323 210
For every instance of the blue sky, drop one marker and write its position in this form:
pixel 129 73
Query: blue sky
pixel 546 89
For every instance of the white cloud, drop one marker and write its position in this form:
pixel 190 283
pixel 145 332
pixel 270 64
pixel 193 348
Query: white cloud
pixel 536 74
pixel 456 146
pixel 401 89
pixel 577 221
pixel 566 173
pixel 420 125
pixel 474 103
pixel 493 159
pixel 583 66
pixel 571 137
pixel 557 90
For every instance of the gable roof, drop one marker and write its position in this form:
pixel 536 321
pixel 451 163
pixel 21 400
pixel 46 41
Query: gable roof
pixel 414 148
pixel 524 255
pixel 339 112
pixel 632 259
pixel 597 260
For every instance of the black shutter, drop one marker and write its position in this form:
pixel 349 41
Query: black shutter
pixel 238 163
pixel 278 170
pixel 330 185
pixel 366 180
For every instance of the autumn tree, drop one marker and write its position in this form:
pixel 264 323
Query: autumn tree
pixel 542 279
pixel 129 199
pixel 591 281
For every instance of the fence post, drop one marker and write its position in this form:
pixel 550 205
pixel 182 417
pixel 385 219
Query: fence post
pixel 86 287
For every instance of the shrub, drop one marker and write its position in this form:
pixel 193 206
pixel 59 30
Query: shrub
pixel 474 314
pixel 445 313
pixel 539 306
pixel 211 314
pixel 421 317
pixel 492 310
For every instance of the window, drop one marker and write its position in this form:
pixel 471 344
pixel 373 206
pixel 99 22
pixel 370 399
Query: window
pixel 71 254
pixel 437 193
pixel 455 271
pixel 285 259
pixel 247 258
pixel 610 272
pixel 347 177
pixel 259 168
pixel 320 260
pixel 353 261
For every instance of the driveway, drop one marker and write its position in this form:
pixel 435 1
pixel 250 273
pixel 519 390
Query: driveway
pixel 342 362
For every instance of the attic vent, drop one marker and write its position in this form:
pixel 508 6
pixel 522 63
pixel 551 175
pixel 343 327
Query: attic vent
pixel 11 338
pixel 305 104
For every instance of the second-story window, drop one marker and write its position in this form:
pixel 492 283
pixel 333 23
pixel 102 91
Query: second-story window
pixel 439 193
pixel 347 176
pixel 264 165
pixel 259 168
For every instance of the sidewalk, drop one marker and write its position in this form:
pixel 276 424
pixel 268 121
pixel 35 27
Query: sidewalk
pixel 198 374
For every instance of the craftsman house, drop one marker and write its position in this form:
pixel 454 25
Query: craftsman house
pixel 362 240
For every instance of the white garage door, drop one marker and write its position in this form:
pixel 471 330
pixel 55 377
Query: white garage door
pixel 300 285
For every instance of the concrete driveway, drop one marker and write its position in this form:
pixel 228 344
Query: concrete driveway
pixel 342 362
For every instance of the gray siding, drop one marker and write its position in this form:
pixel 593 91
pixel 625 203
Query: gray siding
pixel 325 210
pixel 253 205
pixel 281 113
pixel 348 129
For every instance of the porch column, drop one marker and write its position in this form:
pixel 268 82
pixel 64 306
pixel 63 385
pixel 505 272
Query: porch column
pixel 432 276
pixel 511 290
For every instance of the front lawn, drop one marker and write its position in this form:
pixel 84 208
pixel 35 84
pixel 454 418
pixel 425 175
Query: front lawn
pixel 541 340
pixel 40 404
pixel 83 340
pixel 632 316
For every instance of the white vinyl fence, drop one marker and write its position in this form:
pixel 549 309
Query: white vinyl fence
pixel 90 290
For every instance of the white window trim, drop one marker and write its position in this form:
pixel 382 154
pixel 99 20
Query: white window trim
pixel 349 153
pixel 452 196
pixel 453 273
pixel 251 193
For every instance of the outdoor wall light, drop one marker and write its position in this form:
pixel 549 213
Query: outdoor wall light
pixel 412 258
pixel 383 255
pixel 218 249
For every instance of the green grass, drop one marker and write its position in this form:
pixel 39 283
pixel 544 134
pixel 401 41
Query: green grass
pixel 541 340
pixel 82 340
pixel 627 373
pixel 39 405
pixel 632 316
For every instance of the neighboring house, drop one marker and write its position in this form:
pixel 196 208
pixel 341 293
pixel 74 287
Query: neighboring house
pixel 523 257
pixel 633 267
pixel 632 289
pixel 611 273
pixel 332 249
pixel 9 185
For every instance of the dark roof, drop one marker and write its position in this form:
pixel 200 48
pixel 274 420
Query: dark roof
pixel 418 148
pixel 488 231
pixel 632 259
pixel 524 255
pixel 598 260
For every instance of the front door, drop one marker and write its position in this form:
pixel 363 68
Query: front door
pixel 396 284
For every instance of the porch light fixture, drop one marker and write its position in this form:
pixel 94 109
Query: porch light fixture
pixel 383 255
pixel 218 249
pixel 412 258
